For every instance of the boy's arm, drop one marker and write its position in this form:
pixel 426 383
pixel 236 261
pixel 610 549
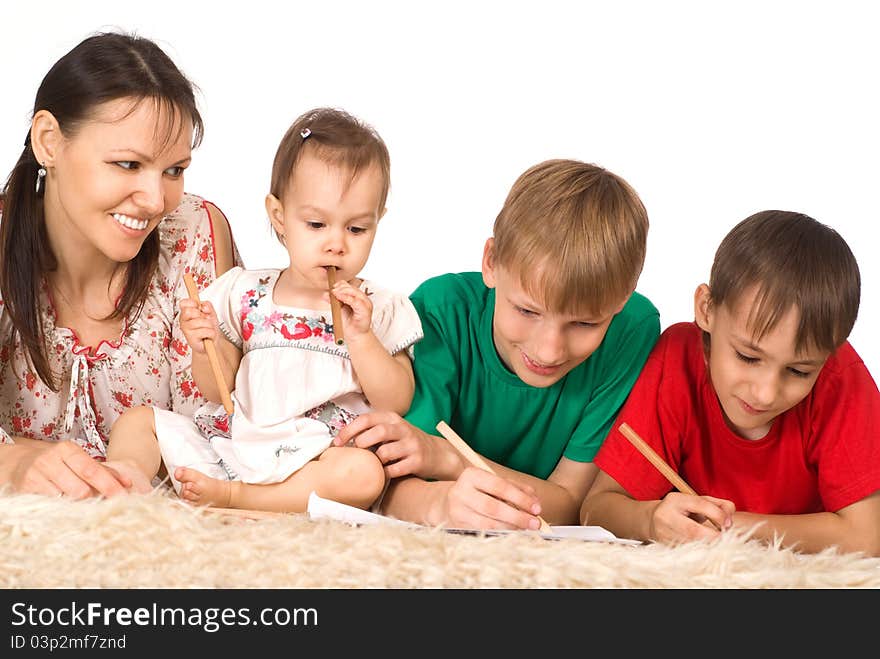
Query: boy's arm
pixel 468 501
pixel 563 491
pixel 477 500
pixel 853 528
pixel 608 505
pixel 675 518
pixel 415 500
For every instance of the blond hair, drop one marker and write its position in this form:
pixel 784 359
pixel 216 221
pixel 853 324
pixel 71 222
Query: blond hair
pixel 575 234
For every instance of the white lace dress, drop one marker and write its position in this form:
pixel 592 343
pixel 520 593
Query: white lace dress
pixel 294 389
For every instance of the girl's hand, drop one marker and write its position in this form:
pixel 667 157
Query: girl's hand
pixel 198 322
pixel 403 448
pixel 357 309
pixel 685 517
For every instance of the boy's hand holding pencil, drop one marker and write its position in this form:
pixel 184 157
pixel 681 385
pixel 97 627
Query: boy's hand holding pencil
pixel 708 511
pixel 474 459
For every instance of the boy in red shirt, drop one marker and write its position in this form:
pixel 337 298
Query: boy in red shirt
pixel 761 405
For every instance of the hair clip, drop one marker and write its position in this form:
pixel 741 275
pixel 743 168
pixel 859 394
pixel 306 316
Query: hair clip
pixel 305 132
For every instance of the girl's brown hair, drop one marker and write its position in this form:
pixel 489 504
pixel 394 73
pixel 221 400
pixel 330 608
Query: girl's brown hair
pixel 336 137
pixel 104 67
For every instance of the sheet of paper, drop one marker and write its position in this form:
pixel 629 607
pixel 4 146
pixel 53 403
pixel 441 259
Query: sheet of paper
pixel 320 508
pixel 587 533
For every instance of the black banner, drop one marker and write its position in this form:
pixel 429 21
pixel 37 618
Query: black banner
pixel 170 623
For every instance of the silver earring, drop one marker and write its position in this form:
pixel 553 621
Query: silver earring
pixel 41 174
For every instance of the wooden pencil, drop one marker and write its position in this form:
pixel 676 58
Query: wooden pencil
pixel 211 350
pixel 335 307
pixel 677 481
pixel 474 458
pixel 662 466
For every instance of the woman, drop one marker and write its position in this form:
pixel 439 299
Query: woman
pixel 95 235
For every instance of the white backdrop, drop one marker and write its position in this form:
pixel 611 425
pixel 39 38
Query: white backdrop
pixel 711 113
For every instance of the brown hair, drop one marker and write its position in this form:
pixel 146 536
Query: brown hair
pixel 794 261
pixel 575 234
pixel 337 138
pixel 102 68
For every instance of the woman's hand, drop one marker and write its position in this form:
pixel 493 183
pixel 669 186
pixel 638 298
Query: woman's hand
pixel 59 468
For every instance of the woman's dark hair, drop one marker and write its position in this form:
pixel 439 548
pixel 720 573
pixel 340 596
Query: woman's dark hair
pixel 104 67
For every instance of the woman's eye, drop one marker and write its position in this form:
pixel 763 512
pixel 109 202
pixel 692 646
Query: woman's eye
pixel 175 171
pixel 127 164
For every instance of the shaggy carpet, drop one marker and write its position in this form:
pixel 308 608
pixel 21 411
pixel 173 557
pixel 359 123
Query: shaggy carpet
pixel 157 541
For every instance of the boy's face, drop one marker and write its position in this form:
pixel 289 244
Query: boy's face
pixel 538 345
pixel 755 381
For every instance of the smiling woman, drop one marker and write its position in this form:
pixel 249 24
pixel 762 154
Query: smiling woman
pixel 95 234
pixel 140 183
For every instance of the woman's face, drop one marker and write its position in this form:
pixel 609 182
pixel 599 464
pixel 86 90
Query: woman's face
pixel 112 181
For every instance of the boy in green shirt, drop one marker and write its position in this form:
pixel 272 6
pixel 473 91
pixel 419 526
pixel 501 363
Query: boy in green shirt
pixel 529 361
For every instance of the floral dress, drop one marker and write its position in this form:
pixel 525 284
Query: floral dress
pixel 149 364
pixel 294 389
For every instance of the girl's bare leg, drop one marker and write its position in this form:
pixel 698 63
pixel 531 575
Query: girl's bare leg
pixel 346 474
pixel 133 448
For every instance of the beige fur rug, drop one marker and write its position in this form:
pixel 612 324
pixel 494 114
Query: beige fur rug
pixel 157 542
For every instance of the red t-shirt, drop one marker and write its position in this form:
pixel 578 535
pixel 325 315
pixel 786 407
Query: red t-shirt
pixel 821 455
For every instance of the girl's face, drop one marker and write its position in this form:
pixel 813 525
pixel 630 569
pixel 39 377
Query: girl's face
pixel 114 179
pixel 327 218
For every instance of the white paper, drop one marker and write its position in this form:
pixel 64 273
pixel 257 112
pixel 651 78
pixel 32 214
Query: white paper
pixel 320 508
pixel 587 533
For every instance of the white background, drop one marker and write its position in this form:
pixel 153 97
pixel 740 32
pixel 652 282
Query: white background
pixel 711 112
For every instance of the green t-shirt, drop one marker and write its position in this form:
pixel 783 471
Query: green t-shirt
pixel 461 379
